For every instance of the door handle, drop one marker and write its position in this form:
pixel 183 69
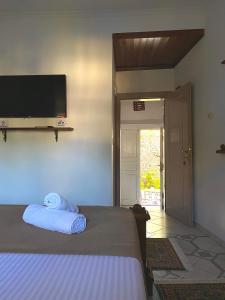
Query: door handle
pixel 187 153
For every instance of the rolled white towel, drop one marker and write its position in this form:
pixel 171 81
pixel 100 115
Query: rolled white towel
pixel 54 219
pixel 54 200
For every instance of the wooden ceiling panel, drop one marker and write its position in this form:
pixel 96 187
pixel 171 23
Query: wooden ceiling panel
pixel 153 50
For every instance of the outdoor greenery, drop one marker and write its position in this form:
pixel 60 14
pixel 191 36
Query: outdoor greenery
pixel 150 159
pixel 150 179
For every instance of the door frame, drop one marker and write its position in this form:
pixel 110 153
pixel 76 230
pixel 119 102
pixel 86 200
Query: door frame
pixel 116 132
pixel 162 166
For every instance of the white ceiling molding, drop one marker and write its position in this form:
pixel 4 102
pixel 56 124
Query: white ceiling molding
pixel 97 7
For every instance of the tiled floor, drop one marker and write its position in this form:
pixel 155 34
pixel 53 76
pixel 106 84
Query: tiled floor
pixel 203 258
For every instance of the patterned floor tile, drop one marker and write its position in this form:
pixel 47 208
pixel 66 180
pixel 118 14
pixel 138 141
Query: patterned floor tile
pixel 207 243
pixel 205 257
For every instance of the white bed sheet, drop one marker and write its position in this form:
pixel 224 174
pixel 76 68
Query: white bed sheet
pixel 70 277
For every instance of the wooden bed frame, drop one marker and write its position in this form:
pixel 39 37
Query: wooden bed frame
pixel 142 216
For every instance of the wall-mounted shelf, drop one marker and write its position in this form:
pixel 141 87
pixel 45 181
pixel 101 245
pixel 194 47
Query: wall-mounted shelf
pixel 222 149
pixel 37 128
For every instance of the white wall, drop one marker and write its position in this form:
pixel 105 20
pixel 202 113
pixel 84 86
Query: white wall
pixel 153 113
pixel 203 68
pixel 145 81
pixel 79 166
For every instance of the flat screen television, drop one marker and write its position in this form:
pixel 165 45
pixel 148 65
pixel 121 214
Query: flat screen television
pixel 33 96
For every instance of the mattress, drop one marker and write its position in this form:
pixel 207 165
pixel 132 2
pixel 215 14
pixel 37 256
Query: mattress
pixel 110 231
pixel 27 276
pixel 101 263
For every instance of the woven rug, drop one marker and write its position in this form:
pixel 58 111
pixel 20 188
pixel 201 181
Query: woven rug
pixel 162 256
pixel 196 291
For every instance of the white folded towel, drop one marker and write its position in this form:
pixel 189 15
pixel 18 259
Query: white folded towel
pixel 54 200
pixel 54 219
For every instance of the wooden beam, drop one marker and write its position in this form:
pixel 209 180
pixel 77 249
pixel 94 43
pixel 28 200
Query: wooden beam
pixel 153 50
pixel 138 68
pixel 143 95
pixel 164 33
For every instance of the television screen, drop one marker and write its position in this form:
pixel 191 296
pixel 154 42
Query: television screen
pixel 24 96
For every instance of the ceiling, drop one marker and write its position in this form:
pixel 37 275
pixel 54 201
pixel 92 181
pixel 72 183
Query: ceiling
pixel 153 50
pixel 7 6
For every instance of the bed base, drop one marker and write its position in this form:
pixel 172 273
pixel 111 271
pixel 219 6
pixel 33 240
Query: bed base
pixel 142 216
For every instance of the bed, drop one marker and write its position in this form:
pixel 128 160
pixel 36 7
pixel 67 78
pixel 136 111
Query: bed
pixel 103 262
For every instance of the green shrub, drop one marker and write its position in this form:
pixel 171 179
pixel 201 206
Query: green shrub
pixel 150 179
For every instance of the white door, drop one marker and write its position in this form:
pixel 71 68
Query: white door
pixel 129 166
pixel 178 155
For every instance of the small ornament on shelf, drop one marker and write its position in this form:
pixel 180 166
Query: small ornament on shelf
pixel 60 123
pixel 3 123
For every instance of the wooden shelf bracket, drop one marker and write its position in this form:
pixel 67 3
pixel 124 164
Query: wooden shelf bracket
pixel 56 135
pixel 4 135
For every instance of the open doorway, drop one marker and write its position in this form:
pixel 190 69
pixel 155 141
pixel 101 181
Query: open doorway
pixel 142 153
pixel 177 124
pixel 151 168
pixel 156 52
